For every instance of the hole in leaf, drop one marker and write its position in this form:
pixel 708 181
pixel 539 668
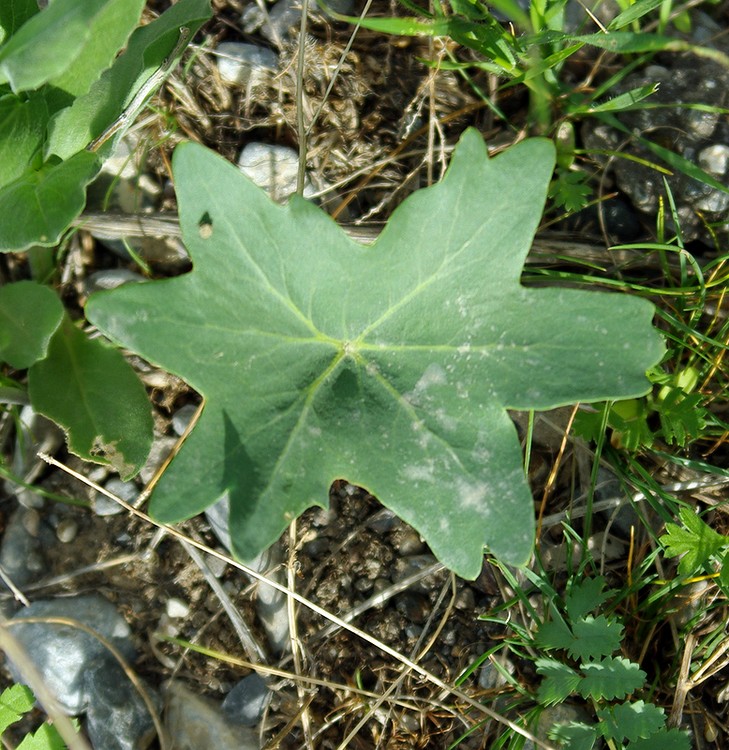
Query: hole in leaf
pixel 205 226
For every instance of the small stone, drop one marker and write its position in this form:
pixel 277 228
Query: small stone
pixel 67 530
pixel 110 278
pixel 64 654
pixel 382 521
pixel 217 566
pixel 125 161
pixel 245 64
pixel 414 607
pixel 21 553
pixel 117 717
pixel 31 520
pixel 162 447
pixel 408 542
pixel 273 168
pixel 127 491
pixel 247 701
pixel 182 417
pixel 218 515
pixel 195 723
pixel 714 159
pixel 176 608
pixel 465 599
pixel 282 17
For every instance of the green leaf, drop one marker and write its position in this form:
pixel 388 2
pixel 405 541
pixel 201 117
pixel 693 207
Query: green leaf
pixel 74 127
pixel 697 542
pixel 15 701
pixel 574 736
pixel 570 190
pixel 595 637
pixel 391 366
pixel 663 739
pixel 631 721
pixel 620 103
pixel 46 737
pixel 92 392
pixel 39 206
pixel 633 13
pixel 68 43
pixel 681 414
pixel 22 129
pixel 610 678
pixel 109 28
pixel 584 597
pixel 559 682
pixel 29 315
pixel 13 14
pixel 554 634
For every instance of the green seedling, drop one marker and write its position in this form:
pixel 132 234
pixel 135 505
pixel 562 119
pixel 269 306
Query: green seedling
pixel 65 97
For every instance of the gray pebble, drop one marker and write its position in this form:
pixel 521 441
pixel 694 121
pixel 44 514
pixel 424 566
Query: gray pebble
pixel 247 701
pixel 176 608
pixel 245 64
pixel 110 278
pixel 161 449
pixel 715 159
pixel 105 506
pixel 195 723
pixel 21 552
pixel 64 654
pixel 117 717
pixel 67 530
pixel 273 168
pixel 408 542
pixel 182 417
pixel 282 17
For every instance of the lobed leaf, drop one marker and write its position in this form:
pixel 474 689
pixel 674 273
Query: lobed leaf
pixel 631 721
pixel 663 739
pixel 595 637
pixel 391 366
pixel 13 14
pixel 574 736
pixel 69 37
pixel 15 701
pixel 697 542
pixel 559 682
pixel 584 597
pixel 610 678
pixel 22 129
pixel 554 634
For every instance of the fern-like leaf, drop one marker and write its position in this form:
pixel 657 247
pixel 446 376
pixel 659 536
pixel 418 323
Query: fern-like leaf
pixel 630 721
pixel 595 637
pixel 611 678
pixel 584 597
pixel 697 542
pixel 559 682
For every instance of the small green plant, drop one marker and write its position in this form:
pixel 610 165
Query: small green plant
pixel 15 702
pixel 575 653
pixel 699 546
pixel 672 413
pixel 65 97
pixel 62 86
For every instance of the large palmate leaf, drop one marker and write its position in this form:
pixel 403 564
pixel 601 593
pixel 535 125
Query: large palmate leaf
pixel 390 366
